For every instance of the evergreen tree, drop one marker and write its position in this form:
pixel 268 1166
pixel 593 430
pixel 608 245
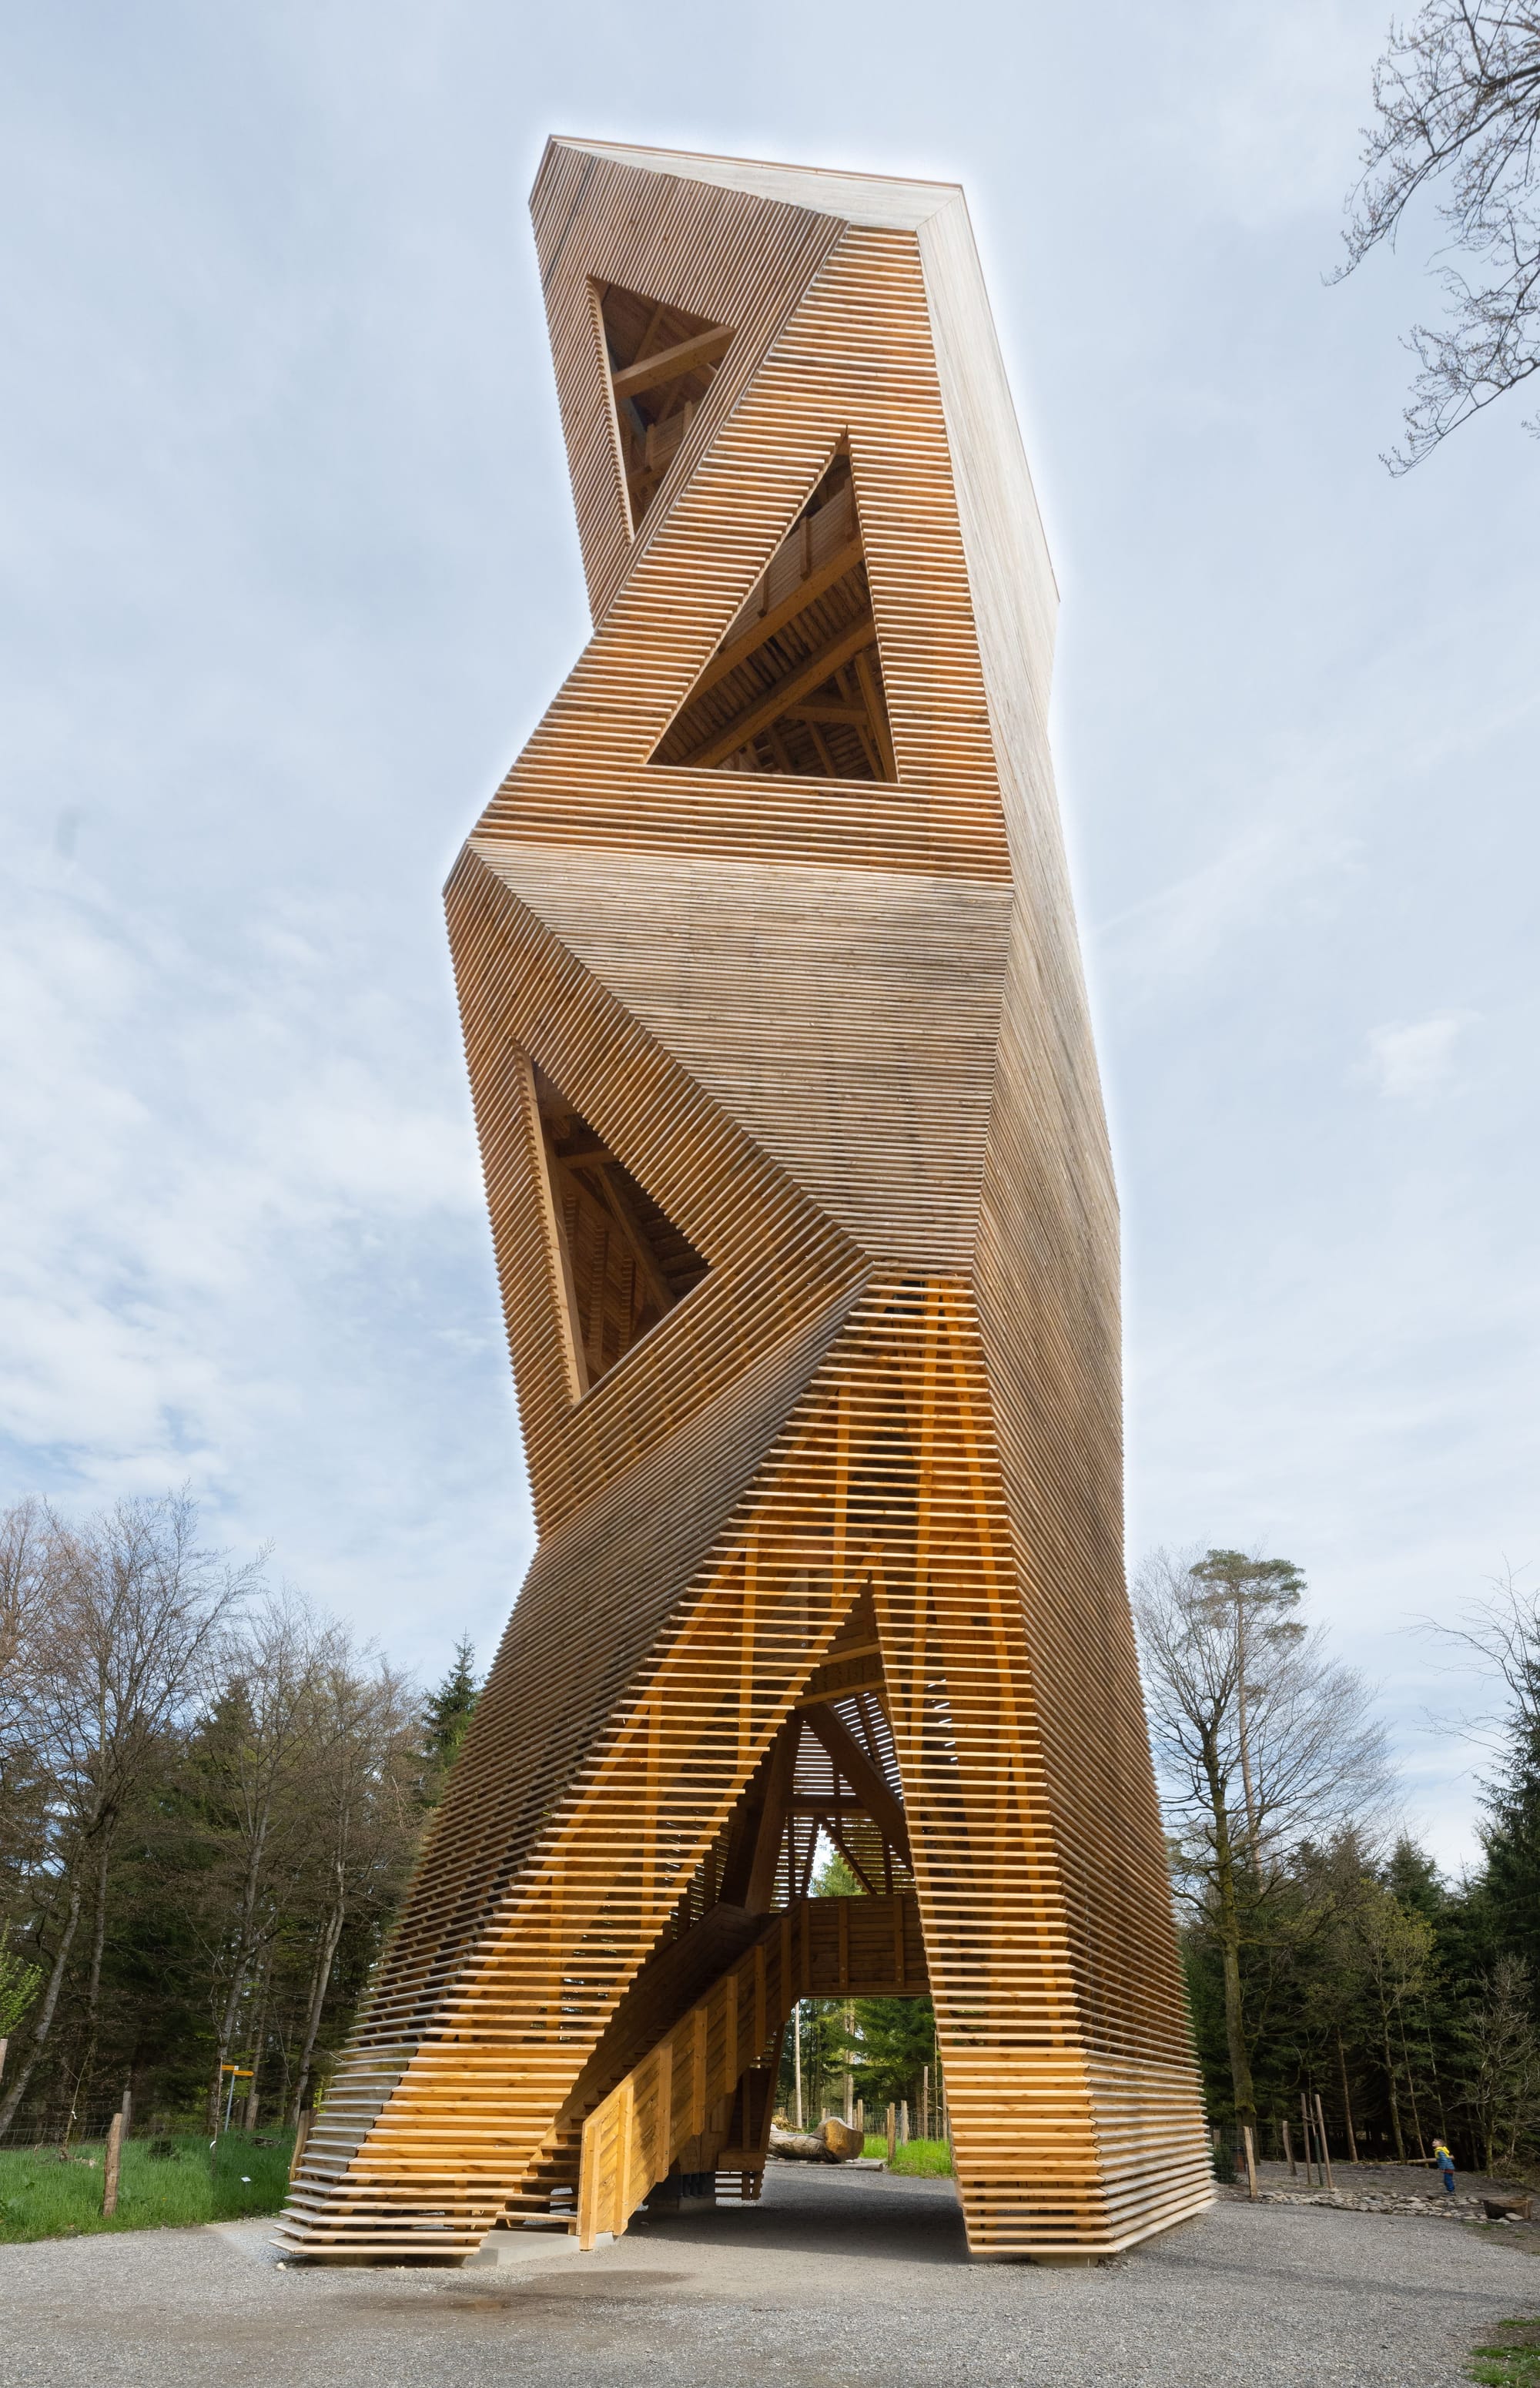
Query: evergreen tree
pixel 1512 1838
pixel 446 1715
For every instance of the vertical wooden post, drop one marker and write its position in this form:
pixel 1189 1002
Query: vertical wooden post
pixel 1304 2126
pixel 587 2185
pixel 1250 2161
pixel 892 2133
pixel 1347 2103
pixel 1289 2151
pixel 111 2163
pixel 926 2102
pixel 1320 2142
pixel 697 2075
pixel 796 2059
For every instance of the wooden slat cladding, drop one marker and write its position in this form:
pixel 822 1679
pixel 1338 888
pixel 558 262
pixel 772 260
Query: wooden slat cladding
pixel 719 257
pixel 884 991
pixel 824 1440
pixel 855 361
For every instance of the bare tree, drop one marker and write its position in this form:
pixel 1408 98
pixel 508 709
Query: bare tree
pixel 130 1625
pixel 255 1754
pixel 29 1553
pixel 366 1723
pixel 1391 1951
pixel 1314 1757
pixel 1458 98
pixel 1504 2090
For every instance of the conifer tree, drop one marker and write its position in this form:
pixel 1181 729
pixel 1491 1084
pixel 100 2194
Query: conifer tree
pixel 446 1715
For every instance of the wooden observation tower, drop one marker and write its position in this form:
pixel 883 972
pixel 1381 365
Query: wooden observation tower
pixel 809 1247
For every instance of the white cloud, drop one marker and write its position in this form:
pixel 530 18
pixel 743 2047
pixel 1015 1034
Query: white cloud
pixel 1414 1058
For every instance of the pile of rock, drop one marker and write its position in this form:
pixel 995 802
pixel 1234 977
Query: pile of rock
pixel 1385 2200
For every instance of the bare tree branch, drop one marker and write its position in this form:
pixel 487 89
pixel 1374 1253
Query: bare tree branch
pixel 1457 97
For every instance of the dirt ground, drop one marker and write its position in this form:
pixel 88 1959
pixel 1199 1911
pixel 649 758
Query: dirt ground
pixel 835 2281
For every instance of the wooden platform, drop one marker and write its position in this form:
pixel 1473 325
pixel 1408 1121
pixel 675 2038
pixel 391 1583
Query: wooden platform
pixel 804 1222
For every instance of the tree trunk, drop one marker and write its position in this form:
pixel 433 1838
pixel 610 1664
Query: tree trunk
pixel 1412 2086
pixel 94 1980
pixel 45 2019
pixel 1390 2089
pixel 1228 1927
pixel 1243 1726
pixel 324 1955
pixel 1347 2101
pixel 245 1935
pixel 258 2028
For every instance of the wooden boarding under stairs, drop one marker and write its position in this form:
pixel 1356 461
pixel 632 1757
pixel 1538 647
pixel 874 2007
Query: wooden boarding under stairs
pixel 701 2099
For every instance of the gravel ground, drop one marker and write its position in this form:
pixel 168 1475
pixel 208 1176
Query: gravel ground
pixel 845 2280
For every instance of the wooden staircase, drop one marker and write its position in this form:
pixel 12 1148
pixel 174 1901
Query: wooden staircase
pixel 700 2100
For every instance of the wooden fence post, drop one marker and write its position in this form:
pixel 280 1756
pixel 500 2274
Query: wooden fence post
pixel 1304 2126
pixel 1320 2142
pixel 892 2133
pixel 1289 2151
pixel 111 2164
pixel 1250 2161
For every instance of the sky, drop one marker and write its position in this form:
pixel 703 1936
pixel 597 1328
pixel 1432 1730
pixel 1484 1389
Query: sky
pixel 290 573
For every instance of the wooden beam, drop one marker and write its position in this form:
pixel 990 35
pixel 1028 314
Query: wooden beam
pixel 685 356
pixel 886 1811
pixel 854 714
pixel 876 712
pixel 760 1894
pixel 810 674
pixel 636 1236
pixel 843 560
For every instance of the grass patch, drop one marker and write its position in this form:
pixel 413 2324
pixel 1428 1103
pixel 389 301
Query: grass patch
pixel 915 2155
pixel 1513 2361
pixel 41 2198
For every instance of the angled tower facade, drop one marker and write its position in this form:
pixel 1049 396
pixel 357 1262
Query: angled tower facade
pixel 807 1239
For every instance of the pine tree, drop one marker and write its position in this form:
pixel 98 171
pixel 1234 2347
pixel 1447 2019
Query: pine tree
pixel 446 1714
pixel 1512 1838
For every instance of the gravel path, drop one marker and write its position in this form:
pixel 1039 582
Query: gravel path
pixel 837 2281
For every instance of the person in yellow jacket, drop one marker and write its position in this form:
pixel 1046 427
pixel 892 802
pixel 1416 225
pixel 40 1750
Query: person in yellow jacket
pixel 1445 2163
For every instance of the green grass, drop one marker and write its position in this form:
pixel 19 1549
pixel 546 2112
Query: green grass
pixel 1514 2361
pixel 916 2155
pixel 41 2198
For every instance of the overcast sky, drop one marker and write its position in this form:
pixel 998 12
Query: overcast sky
pixel 290 573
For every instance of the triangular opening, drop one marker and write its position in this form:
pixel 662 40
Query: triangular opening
pixel 796 684
pixel 661 360
pixel 624 1262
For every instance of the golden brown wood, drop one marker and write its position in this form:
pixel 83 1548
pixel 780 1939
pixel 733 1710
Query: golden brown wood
pixel 669 364
pixel 828 1037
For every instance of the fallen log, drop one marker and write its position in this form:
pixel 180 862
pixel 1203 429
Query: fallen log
pixel 832 2142
pixel 799 2147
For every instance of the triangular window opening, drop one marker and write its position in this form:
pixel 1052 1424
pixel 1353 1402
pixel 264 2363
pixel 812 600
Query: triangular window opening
pixel 661 360
pixel 625 1261
pixel 796 683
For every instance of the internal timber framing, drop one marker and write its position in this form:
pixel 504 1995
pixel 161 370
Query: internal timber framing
pixel 661 360
pixel 623 1262
pixel 832 1546
pixel 796 683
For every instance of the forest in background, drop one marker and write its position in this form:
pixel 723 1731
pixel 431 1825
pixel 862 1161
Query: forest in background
pixel 211 1796
pixel 1325 1953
